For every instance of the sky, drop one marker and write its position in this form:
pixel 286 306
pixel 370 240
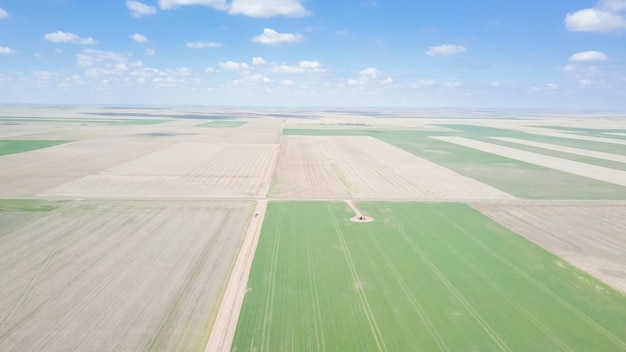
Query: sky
pixel 565 55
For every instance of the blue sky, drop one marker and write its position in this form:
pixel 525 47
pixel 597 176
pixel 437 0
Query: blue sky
pixel 407 53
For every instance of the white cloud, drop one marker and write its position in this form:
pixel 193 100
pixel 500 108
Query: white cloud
pixel 303 66
pixel 63 37
pixel 138 9
pixel 150 52
pixel 369 72
pixel 370 75
pixel 496 84
pixel 6 50
pixel 287 82
pixel 605 16
pixel 569 68
pixel 271 37
pixel 201 45
pixel 445 50
pixel 3 14
pixel 235 66
pixel 171 4
pixel 268 8
pixel 587 56
pixel 139 38
pixel 91 57
pixel 258 60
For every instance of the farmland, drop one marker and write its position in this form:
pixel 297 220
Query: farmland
pixel 439 276
pixel 117 275
pixel 137 229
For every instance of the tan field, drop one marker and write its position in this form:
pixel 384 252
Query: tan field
pixel 366 168
pixel 138 232
pixel 116 275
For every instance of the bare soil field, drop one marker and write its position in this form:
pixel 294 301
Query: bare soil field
pixel 188 170
pixel 117 275
pixel 590 236
pixel 364 167
pixel 574 167
pixel 26 174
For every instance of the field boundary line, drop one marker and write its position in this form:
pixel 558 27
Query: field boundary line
pixel 542 287
pixel 223 332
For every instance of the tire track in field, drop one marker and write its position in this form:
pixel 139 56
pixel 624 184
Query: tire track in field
pixel 459 296
pixel 407 291
pixel 269 300
pixel 42 268
pixel 380 342
pixel 317 322
pixel 192 276
pixel 104 283
pixel 537 323
pixel 539 285
pixel 85 270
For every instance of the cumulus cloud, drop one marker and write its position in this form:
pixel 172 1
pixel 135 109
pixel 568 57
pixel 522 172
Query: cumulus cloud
pixel 3 14
pixel 63 37
pixel 6 50
pixel 272 37
pixel 369 75
pixel 303 66
pixel 251 8
pixel 201 45
pixel 242 67
pixel 605 16
pixel 172 4
pixel 139 9
pixel 268 8
pixel 139 38
pixel 587 56
pixel 91 57
pixel 258 60
pixel 445 50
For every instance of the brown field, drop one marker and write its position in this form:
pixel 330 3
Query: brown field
pixel 366 168
pixel 116 275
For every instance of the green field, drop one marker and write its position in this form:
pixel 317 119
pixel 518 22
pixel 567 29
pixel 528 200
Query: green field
pixel 422 276
pixel 19 146
pixel 223 124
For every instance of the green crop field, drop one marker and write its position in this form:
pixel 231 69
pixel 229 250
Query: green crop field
pixel 422 276
pixel 223 124
pixel 19 146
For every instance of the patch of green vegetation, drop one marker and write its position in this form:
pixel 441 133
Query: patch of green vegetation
pixel 422 276
pixel 19 146
pixel 28 205
pixel 223 124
